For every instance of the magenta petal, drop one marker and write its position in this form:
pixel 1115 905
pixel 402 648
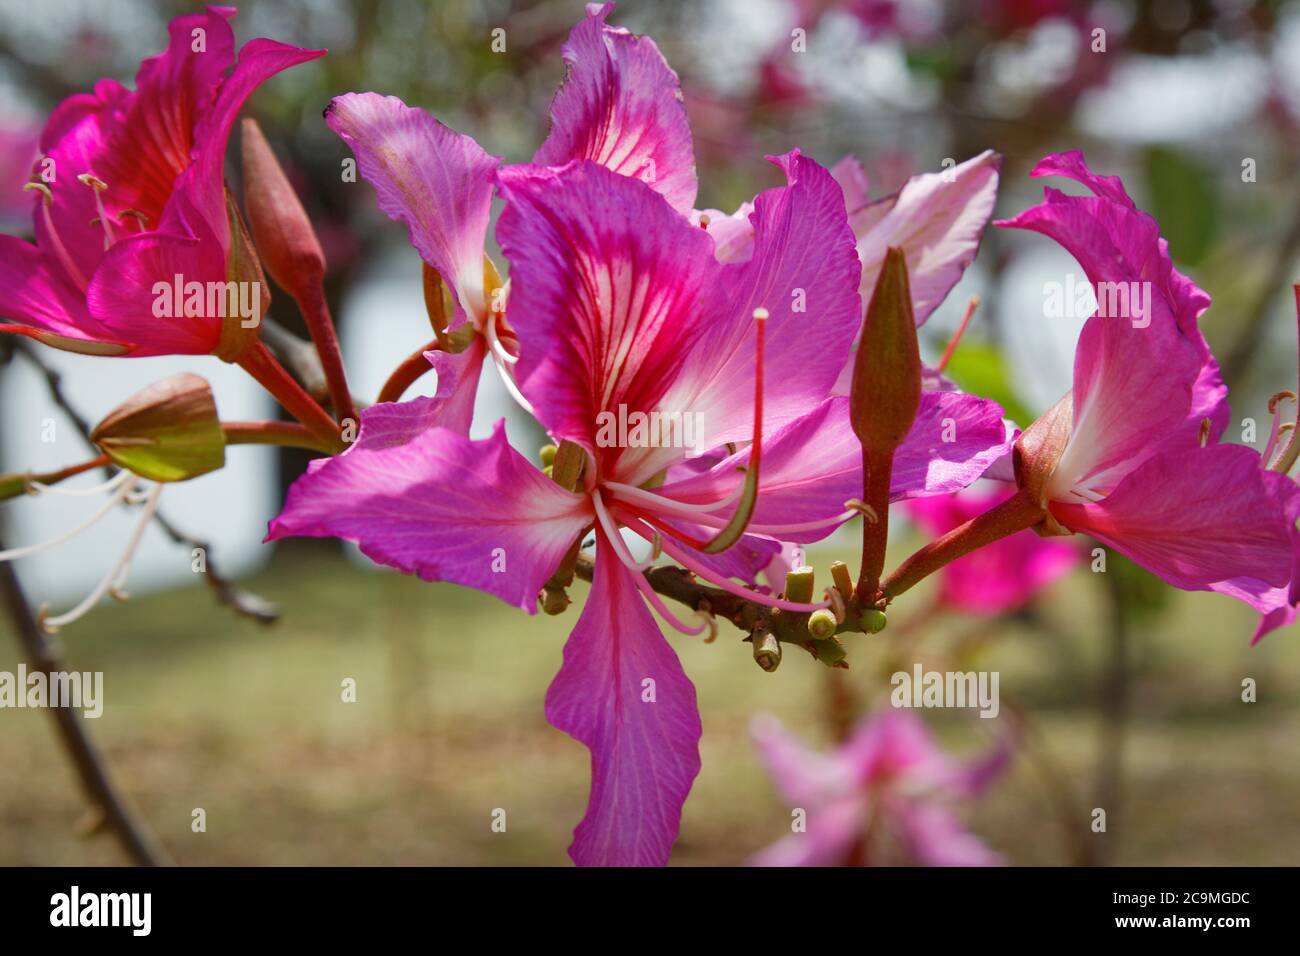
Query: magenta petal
pixel 259 60
pixel 1003 576
pixel 804 272
pixel 606 282
pixel 425 174
pixel 124 292
pixel 31 292
pixel 1195 518
pixel 458 378
pixel 935 837
pixel 1116 242
pixel 429 501
pixel 621 106
pixel 623 694
pixel 811 467
pixel 937 219
pixel 137 142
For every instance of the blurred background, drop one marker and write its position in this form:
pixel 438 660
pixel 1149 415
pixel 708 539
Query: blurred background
pixel 1128 693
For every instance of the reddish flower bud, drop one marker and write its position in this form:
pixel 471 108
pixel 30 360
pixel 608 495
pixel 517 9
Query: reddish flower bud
pixel 887 369
pixel 289 247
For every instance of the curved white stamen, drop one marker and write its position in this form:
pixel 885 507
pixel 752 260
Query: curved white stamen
pixel 494 343
pixel 116 576
pixel 109 485
pixel 667 505
pixel 778 529
pixel 118 497
pixel 504 370
pixel 668 616
pixel 699 570
pixel 615 538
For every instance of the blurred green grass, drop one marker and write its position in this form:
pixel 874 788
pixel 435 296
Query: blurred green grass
pixel 203 710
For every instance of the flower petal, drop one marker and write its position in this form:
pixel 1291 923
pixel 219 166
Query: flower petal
pixel 429 501
pixel 937 219
pixel 623 694
pixel 425 174
pixel 811 467
pixel 804 272
pixel 621 106
pixel 606 282
pixel 1195 518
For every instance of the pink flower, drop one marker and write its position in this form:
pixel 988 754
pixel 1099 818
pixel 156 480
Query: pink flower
pixel 1131 456
pixel 133 194
pixel 1002 576
pixel 888 777
pixel 620 303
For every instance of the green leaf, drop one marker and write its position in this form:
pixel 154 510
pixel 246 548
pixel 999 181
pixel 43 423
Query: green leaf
pixel 980 370
pixel 1185 201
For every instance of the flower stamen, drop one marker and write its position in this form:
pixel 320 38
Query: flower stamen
pixel 116 577
pixel 60 250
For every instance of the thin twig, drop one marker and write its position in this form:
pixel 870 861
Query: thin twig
pixel 100 787
pixel 226 592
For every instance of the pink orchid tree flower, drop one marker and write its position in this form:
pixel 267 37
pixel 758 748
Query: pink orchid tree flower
pixel 620 106
pixel 131 193
pixel 622 307
pixel 1131 456
pixel 1002 577
pixel 889 777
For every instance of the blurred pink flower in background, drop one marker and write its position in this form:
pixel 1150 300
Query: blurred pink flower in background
pixel 1003 576
pixel 17 154
pixel 889 778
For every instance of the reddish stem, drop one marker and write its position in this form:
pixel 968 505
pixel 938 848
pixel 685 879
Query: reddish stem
pixel 320 324
pixel 258 362
pixel 877 467
pixel 1014 514
pixel 405 375
pixel 286 434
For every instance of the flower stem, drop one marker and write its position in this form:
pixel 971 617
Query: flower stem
pixel 285 434
pixel 258 362
pixel 877 467
pixel 405 375
pixel 1014 514
pixel 320 324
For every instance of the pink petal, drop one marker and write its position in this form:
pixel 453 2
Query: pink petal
pixel 937 219
pixel 137 142
pixel 804 272
pixel 814 464
pixel 124 292
pixel 425 174
pixel 935 837
pixel 259 60
pixel 621 106
pixel 31 290
pixel 606 282
pixel 623 694
pixel 732 233
pixel 458 378
pixel 1195 518
pixel 429 501
pixel 998 578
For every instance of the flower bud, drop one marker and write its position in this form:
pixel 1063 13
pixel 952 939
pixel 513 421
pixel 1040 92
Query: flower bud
pixel 886 390
pixel 167 432
pixel 873 621
pixel 822 624
pixel 767 650
pixel 288 245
